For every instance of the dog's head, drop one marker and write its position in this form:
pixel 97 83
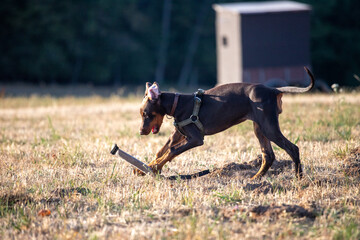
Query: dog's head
pixel 151 111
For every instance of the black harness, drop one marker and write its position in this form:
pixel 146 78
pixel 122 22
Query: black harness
pixel 194 118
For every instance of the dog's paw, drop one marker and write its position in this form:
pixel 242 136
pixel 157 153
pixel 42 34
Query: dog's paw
pixel 155 168
pixel 138 172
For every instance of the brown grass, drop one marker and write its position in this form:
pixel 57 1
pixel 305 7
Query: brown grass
pixel 55 156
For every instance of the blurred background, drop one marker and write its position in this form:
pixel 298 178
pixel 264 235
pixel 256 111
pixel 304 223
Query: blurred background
pixel 129 42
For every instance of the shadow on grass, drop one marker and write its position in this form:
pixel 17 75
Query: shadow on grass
pixel 9 201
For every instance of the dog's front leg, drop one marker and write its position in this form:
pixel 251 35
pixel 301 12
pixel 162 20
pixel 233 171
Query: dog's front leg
pixel 172 152
pixel 175 147
pixel 190 143
pixel 163 155
pixel 175 138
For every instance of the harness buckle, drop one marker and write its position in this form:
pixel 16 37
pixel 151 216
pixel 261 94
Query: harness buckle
pixel 200 92
pixel 194 118
pixel 197 100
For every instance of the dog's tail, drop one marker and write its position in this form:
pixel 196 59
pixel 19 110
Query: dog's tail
pixel 299 89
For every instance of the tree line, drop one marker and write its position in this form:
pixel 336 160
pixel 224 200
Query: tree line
pixel 111 42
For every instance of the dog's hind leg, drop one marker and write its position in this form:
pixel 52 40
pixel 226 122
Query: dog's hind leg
pixel 270 128
pixel 268 155
pixel 292 150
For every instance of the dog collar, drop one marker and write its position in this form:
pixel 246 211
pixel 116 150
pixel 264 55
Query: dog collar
pixel 176 99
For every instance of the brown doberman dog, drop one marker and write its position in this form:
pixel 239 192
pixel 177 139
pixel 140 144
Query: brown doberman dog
pixel 221 107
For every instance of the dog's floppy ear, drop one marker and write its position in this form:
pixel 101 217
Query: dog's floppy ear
pixel 153 92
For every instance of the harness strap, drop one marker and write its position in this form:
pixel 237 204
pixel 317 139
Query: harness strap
pixel 194 118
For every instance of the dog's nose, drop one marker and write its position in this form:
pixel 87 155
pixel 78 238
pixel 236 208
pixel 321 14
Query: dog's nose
pixel 142 132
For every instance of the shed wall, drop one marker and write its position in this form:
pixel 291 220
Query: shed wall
pixel 262 42
pixel 275 39
pixel 228 47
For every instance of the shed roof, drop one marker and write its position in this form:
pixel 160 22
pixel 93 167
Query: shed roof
pixel 261 7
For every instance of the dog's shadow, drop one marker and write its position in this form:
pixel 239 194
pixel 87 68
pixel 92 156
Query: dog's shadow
pixel 247 169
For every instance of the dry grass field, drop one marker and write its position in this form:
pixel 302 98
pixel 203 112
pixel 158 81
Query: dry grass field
pixel 59 181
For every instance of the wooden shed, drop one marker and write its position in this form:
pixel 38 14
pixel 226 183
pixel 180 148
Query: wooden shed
pixel 263 42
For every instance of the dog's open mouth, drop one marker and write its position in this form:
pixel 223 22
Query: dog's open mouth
pixel 155 129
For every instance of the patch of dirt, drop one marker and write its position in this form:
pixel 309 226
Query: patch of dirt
pixel 63 192
pixel 352 163
pixel 249 169
pixel 284 210
pixel 231 169
pixel 349 201
pixel 11 200
pixel 228 213
pixel 273 212
pixel 281 166
pixel 183 212
pixel 259 188
pixel 58 194
pixel 256 163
